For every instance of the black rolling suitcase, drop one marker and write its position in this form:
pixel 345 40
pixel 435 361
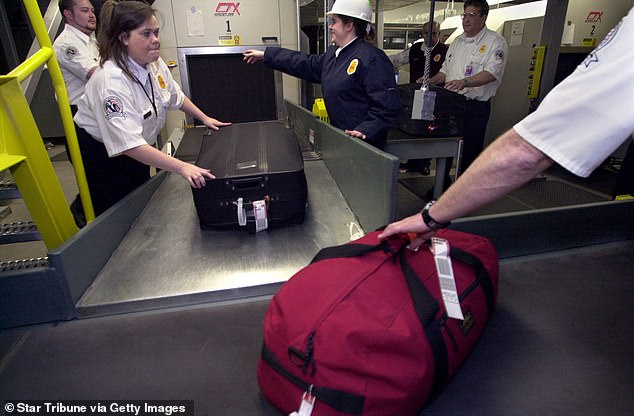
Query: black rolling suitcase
pixel 260 181
pixel 449 109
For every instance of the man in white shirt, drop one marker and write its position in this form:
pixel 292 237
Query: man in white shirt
pixel 578 134
pixel 474 67
pixel 76 47
pixel 78 56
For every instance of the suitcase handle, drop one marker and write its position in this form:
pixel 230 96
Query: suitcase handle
pixel 247 183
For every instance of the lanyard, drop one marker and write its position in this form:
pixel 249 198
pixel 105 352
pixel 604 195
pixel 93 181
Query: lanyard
pixel 151 100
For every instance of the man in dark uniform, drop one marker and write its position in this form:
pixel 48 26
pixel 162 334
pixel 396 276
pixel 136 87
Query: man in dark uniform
pixel 415 57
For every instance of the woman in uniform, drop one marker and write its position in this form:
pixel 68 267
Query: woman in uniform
pixel 357 78
pixel 125 107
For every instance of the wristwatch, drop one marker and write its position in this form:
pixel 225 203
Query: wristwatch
pixel 465 82
pixel 429 221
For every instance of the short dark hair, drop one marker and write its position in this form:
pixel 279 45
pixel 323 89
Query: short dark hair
pixel 480 4
pixel 66 5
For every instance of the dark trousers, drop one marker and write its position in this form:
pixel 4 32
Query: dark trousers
pixel 475 125
pixel 109 179
pixel 625 178
pixel 73 111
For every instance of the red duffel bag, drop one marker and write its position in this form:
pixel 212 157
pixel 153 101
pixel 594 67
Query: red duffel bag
pixel 363 329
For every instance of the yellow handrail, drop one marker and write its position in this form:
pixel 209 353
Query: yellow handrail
pixel 46 55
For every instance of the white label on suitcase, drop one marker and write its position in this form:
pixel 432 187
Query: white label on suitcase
pixel 242 213
pixel 440 250
pixel 259 212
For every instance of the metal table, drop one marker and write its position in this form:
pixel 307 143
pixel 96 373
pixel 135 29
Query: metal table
pixel 406 146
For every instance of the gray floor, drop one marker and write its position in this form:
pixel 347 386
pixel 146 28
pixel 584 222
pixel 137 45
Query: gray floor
pixel 560 343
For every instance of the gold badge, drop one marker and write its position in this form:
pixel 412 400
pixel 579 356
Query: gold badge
pixel 437 58
pixel 352 68
pixel 483 48
pixel 161 81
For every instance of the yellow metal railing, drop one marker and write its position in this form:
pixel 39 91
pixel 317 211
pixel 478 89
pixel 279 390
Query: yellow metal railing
pixel 22 148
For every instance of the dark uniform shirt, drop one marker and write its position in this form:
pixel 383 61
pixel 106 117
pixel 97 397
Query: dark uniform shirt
pixel 358 86
pixel 417 60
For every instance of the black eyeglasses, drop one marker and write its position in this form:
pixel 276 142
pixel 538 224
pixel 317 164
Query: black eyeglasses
pixel 464 15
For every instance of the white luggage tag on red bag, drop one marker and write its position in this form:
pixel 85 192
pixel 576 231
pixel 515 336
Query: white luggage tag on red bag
pixel 440 250
pixel 306 407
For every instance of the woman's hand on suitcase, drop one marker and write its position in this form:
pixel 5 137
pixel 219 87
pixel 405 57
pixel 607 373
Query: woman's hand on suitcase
pixel 196 176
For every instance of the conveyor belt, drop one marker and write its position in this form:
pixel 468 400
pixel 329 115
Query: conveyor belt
pixel 166 259
pixel 559 343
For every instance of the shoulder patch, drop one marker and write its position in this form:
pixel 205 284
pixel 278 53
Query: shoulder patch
pixel 113 107
pixel 499 55
pixel 593 56
pixel 352 68
pixel 71 52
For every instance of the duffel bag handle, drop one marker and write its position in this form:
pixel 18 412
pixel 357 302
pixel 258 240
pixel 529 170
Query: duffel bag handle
pixel 391 246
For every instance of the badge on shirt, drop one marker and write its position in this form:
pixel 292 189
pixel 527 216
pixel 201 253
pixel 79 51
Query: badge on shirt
pixel 437 57
pixel 352 68
pixel 161 81
pixel 113 107
pixel 71 52
pixel 483 49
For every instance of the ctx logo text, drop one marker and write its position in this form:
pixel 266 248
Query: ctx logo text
pixel 594 17
pixel 227 9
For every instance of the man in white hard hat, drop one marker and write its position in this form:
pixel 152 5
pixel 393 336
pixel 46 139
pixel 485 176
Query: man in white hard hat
pixel 357 78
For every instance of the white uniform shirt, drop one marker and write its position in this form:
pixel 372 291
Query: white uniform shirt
pixel 116 110
pixel 591 113
pixel 486 51
pixel 77 53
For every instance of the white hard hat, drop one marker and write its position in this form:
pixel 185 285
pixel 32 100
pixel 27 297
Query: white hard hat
pixel 361 9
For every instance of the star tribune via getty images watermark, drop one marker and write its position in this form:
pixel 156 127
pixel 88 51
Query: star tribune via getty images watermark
pixel 99 407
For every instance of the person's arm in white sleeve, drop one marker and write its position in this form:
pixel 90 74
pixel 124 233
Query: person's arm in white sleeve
pixel 152 156
pixel 190 108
